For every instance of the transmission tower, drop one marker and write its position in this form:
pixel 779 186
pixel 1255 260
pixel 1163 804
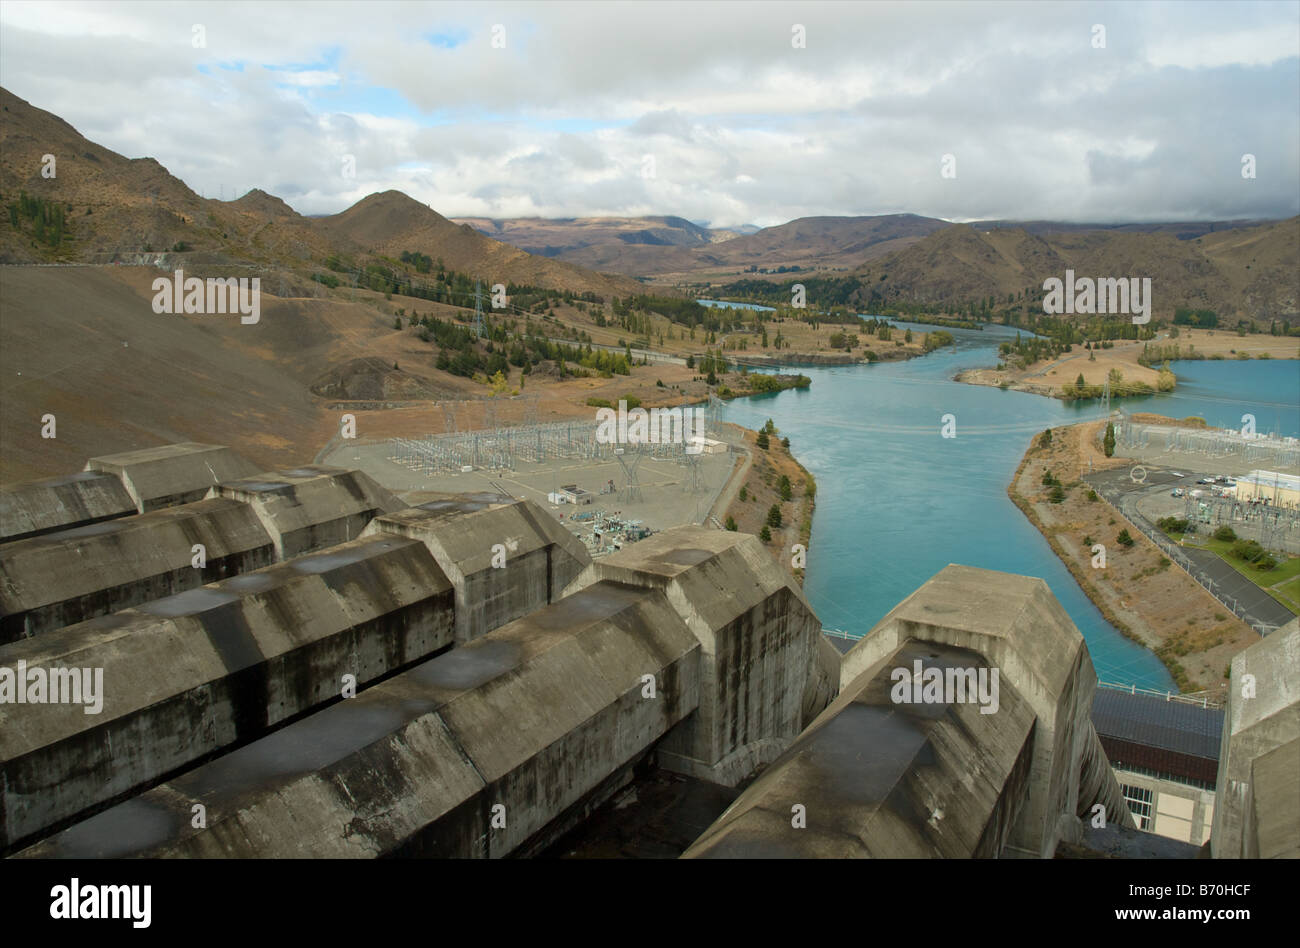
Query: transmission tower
pixel 693 463
pixel 1105 398
pixel 632 490
pixel 478 311
pixel 449 417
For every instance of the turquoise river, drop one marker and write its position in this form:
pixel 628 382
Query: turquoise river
pixel 896 502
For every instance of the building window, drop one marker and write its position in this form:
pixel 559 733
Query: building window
pixel 1139 804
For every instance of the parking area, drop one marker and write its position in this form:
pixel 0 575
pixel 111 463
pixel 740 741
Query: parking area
pixel 1144 496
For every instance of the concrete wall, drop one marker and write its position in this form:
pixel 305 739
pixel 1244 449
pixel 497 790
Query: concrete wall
pixel 58 579
pixel 473 753
pixel 33 508
pixel 538 557
pixel 172 474
pixel 1257 805
pixel 876 778
pixel 767 668
pixel 192 674
pixel 1018 626
pixel 309 508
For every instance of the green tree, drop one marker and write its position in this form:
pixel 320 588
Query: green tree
pixel 765 535
pixel 731 524
pixel 774 516
pixel 787 492
pixel 762 440
pixel 1108 443
pixel 744 494
pixel 1123 539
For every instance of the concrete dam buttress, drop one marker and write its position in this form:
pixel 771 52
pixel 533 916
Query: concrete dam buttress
pixel 201 659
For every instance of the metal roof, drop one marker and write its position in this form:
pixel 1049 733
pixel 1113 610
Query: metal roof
pixel 1155 722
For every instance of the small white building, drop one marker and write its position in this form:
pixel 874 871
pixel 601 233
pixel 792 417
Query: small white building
pixel 707 446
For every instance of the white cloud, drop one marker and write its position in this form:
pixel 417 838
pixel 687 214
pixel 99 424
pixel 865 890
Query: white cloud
pixel 743 127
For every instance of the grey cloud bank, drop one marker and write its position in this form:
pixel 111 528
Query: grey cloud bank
pixel 743 127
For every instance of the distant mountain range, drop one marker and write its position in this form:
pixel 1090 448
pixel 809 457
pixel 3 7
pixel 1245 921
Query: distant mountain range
pixel 646 246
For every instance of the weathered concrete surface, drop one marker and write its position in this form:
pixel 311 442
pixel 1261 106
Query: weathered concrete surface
pixel 872 778
pixel 473 753
pixel 767 670
pixel 32 508
pixel 1274 789
pixel 312 507
pixel 185 676
pixel 1263 716
pixel 172 474
pixel 1018 626
pixel 467 537
pixel 58 579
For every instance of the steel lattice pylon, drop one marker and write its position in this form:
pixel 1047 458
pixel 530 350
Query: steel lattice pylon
pixel 628 460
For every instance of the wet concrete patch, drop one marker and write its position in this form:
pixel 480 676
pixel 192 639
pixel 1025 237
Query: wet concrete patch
pixel 123 830
pixel 188 602
pixel 468 666
pixel 325 562
pixel 77 533
pixel 305 747
pixel 261 487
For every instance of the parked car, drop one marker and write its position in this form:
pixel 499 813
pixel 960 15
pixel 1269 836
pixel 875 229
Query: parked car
pixel 1176 474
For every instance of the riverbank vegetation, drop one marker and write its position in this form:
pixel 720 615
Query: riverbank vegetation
pixel 1128 578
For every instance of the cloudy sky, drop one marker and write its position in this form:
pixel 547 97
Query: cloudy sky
pixel 710 111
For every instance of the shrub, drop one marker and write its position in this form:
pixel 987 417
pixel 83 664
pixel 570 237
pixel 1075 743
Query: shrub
pixel 1226 534
pixel 1248 550
pixel 762 440
pixel 632 402
pixel 599 402
pixel 731 523
pixel 1092 495
pixel 765 535
pixel 1123 539
pixel 1058 494
pixel 744 494
pixel 1265 563
pixel 1172 525
pixel 1045 439
pixel 774 516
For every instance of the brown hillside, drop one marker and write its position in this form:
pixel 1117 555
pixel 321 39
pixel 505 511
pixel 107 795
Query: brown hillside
pixel 1246 273
pixel 391 222
pixel 124 210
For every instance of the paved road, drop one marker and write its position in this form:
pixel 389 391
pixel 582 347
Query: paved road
pixel 647 354
pixel 1255 606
